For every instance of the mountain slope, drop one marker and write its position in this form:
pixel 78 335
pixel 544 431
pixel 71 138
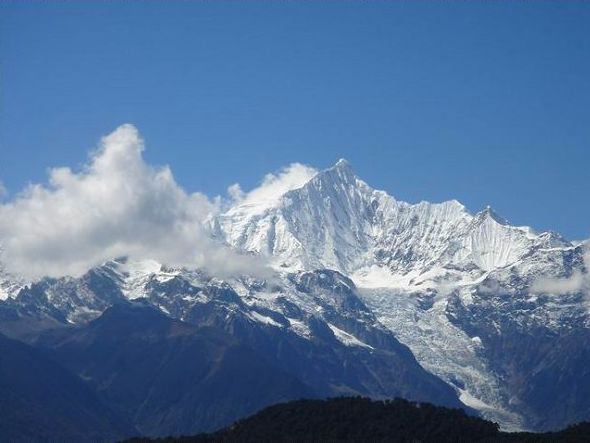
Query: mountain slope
pixel 169 377
pixel 41 401
pixel 312 325
pixel 336 221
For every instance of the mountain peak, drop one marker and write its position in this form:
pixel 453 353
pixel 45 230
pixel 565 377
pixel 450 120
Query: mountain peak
pixel 342 164
pixel 489 213
pixel 341 172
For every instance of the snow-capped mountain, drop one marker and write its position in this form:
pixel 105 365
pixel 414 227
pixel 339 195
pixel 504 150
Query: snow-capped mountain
pixel 9 283
pixel 337 221
pixel 423 269
pixel 356 272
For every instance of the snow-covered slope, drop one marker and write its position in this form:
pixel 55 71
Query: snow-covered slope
pixel 337 221
pixel 311 324
pixel 9 284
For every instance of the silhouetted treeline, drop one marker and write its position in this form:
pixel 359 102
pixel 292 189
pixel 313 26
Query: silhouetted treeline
pixel 363 420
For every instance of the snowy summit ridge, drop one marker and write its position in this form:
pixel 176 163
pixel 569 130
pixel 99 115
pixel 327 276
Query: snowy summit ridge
pixel 336 221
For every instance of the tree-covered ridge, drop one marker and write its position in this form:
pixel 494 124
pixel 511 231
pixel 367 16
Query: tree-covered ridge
pixel 354 419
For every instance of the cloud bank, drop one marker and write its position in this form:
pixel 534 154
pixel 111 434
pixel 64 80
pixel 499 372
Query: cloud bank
pixel 579 281
pixel 117 205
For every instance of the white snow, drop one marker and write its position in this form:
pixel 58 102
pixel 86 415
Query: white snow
pixel 378 277
pixel 510 422
pixel 299 327
pixel 135 274
pixel 439 346
pixel 347 339
pixel 258 317
pixel 10 284
pixel 337 221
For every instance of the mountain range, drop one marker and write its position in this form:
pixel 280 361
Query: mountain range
pixel 364 295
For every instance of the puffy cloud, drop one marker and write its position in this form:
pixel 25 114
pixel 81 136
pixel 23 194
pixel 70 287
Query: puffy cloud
pixel 235 192
pixel 579 281
pixel 273 186
pixel 3 191
pixel 117 205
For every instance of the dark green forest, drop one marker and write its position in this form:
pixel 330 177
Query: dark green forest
pixel 354 419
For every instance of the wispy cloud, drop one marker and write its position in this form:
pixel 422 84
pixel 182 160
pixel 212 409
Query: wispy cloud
pixel 116 205
pixel 274 185
pixel 579 281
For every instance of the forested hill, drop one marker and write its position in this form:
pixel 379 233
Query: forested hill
pixel 364 420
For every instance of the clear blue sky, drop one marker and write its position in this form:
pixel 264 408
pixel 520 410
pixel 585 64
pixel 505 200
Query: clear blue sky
pixel 487 103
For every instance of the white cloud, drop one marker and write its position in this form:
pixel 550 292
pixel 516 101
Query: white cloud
pixel 273 186
pixel 3 191
pixel 235 192
pixel 579 281
pixel 117 205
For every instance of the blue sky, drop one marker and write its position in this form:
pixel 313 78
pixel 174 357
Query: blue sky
pixel 488 103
